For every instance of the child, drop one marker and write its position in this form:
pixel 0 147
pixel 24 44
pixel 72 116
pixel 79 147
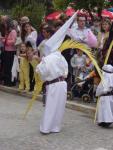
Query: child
pixel 34 61
pixel 78 63
pixel 24 69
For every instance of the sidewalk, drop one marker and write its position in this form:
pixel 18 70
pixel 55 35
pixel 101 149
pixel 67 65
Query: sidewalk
pixel 75 105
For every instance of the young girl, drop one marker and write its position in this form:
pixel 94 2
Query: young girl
pixel 34 61
pixel 24 69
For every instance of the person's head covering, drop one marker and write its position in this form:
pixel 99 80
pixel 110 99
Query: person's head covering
pixel 24 19
pixel 108 75
pixel 56 40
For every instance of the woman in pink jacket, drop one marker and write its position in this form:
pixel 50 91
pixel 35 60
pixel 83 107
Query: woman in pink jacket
pixel 9 51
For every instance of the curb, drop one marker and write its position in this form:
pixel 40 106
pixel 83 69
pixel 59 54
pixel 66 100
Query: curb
pixel 90 110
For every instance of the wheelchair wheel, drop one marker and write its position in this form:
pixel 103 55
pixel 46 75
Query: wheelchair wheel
pixel 69 96
pixel 86 98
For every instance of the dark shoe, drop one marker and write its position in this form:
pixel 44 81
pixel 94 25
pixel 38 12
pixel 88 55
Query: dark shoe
pixel 104 124
pixel 44 133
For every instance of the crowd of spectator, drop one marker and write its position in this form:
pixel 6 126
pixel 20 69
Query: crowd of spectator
pixel 21 42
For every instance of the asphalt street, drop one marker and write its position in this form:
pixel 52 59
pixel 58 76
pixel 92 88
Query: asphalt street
pixel 78 130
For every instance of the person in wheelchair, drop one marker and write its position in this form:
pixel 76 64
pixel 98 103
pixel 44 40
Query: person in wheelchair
pixel 83 88
pixel 83 84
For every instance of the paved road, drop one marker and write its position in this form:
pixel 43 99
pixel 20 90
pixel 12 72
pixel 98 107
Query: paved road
pixel 78 132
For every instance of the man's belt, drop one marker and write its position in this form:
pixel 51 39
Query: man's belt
pixel 59 79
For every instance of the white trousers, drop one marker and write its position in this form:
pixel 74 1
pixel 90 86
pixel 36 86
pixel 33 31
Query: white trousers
pixel 56 96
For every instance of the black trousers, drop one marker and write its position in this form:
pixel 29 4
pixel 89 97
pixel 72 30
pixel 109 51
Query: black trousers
pixel 8 58
pixel 1 65
pixel 31 76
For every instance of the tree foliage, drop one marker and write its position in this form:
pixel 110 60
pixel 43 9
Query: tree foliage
pixel 34 11
pixel 8 4
pixel 88 5
pixel 61 4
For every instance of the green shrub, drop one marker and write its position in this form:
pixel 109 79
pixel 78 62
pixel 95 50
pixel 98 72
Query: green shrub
pixel 35 12
pixel 3 12
pixel 61 4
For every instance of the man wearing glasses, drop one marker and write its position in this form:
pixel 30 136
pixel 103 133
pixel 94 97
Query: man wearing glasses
pixel 81 33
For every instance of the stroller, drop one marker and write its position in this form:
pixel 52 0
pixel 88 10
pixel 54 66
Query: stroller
pixel 82 88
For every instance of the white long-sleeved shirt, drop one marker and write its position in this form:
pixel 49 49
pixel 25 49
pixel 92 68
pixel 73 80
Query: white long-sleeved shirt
pixel 83 35
pixel 77 60
pixel 32 37
pixel 106 85
pixel 52 66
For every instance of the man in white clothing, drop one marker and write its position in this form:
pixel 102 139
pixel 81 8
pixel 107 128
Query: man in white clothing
pixel 105 93
pixel 81 33
pixel 53 70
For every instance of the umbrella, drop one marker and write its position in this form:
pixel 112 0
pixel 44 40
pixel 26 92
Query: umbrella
pixel 69 11
pixel 106 13
pixel 53 16
pixel 110 9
